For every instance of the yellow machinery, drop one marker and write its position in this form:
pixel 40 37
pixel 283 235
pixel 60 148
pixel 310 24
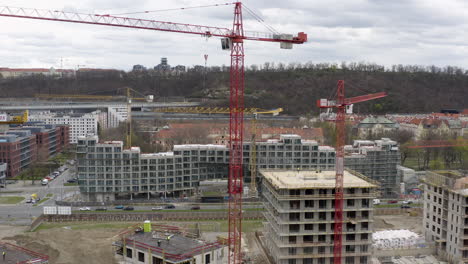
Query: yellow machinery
pixel 225 110
pixel 20 119
pixel 215 110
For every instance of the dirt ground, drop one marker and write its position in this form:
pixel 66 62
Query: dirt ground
pixel 67 246
pixel 252 249
pixel 64 245
pixel 385 222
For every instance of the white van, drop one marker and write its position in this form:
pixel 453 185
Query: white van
pixel 376 201
pixel 45 181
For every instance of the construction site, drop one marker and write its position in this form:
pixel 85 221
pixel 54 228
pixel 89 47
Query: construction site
pixel 277 198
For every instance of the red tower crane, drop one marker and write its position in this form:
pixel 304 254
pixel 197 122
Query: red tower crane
pixel 233 39
pixel 340 104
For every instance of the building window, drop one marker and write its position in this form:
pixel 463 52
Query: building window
pixel 349 260
pixel 141 256
pixel 129 253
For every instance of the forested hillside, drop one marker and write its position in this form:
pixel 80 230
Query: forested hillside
pixel 294 87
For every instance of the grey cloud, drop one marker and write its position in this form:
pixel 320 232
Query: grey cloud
pixel 385 32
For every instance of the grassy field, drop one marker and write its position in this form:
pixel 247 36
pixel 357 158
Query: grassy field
pixel 49 195
pixel 205 226
pixel 10 192
pixel 81 226
pixel 411 162
pixel 11 199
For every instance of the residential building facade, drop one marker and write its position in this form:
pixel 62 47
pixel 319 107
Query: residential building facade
pixel 377 160
pixel 50 139
pixel 80 124
pixel 375 126
pixel 300 216
pixel 18 150
pixel 3 172
pixel 21 146
pixel 106 169
pixel 445 219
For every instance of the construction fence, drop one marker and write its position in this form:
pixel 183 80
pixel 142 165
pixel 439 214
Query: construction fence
pixel 136 217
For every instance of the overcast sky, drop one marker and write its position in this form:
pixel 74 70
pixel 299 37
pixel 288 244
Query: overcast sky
pixel 386 32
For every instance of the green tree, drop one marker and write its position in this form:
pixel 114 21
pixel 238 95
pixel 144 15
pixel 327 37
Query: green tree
pixel 436 164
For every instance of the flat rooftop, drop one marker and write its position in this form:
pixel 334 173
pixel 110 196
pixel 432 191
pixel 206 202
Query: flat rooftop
pixel 175 249
pixel 304 179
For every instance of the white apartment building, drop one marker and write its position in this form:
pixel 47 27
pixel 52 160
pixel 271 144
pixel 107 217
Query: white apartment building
pixel 80 124
pixel 445 219
pixel 114 116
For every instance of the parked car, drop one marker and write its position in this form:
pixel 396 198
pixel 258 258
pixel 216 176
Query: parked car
pixel 71 181
pixel 45 181
pixel 129 208
pixel 196 207
pixel 157 208
pixel 376 201
pixel 407 202
pixel 85 209
pixel 392 201
pixel 29 200
pixel 170 206
pixel 101 209
pixel 403 206
pixel 119 207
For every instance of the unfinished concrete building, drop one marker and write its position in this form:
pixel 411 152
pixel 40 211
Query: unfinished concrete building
pixel 378 160
pixel 300 216
pixel 158 244
pixel 445 219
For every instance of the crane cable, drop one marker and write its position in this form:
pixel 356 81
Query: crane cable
pixel 260 19
pixel 169 9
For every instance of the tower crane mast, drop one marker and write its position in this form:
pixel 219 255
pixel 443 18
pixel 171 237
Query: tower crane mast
pixel 340 104
pixel 233 40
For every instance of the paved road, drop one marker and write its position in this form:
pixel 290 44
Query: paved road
pixel 22 213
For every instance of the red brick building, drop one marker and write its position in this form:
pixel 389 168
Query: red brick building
pixel 50 139
pixel 20 147
pixel 18 151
